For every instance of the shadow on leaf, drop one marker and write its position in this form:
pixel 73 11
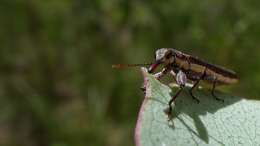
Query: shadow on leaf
pixel 184 104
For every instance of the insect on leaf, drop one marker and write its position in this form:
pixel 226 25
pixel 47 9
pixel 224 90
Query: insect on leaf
pixel 209 123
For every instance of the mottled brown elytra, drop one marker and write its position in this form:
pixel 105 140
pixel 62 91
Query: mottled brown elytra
pixel 183 66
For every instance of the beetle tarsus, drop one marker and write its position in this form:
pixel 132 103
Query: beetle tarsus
pixel 168 112
pixel 219 99
pixel 193 97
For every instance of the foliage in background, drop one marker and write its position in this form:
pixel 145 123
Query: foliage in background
pixel 56 82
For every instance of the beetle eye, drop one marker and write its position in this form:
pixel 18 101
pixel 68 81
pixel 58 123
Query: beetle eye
pixel 168 56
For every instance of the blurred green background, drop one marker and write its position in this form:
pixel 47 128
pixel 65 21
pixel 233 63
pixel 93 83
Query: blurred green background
pixel 57 87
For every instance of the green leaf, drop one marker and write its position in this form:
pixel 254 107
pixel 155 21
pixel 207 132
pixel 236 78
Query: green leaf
pixel 234 122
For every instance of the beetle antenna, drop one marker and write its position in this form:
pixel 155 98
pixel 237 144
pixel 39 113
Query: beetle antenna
pixel 118 66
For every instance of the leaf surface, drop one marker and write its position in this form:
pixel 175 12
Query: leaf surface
pixel 232 123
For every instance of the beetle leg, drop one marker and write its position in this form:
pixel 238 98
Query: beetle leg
pixel 197 82
pixel 158 76
pixel 172 73
pixel 168 110
pixel 189 68
pixel 191 93
pixel 194 86
pixel 213 91
pixel 181 78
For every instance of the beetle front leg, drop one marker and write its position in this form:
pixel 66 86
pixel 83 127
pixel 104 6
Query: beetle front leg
pixel 181 78
pixel 158 76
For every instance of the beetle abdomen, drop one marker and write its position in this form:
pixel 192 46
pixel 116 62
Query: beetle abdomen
pixel 195 68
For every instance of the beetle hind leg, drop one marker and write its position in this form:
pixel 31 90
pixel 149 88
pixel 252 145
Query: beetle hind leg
pixel 213 91
pixel 158 76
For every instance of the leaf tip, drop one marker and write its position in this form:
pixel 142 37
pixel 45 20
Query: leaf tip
pixel 139 118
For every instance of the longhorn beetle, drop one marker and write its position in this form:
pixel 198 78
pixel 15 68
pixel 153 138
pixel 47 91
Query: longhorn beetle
pixel 183 66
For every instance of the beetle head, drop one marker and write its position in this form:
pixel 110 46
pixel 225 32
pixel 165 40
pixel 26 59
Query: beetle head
pixel 162 56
